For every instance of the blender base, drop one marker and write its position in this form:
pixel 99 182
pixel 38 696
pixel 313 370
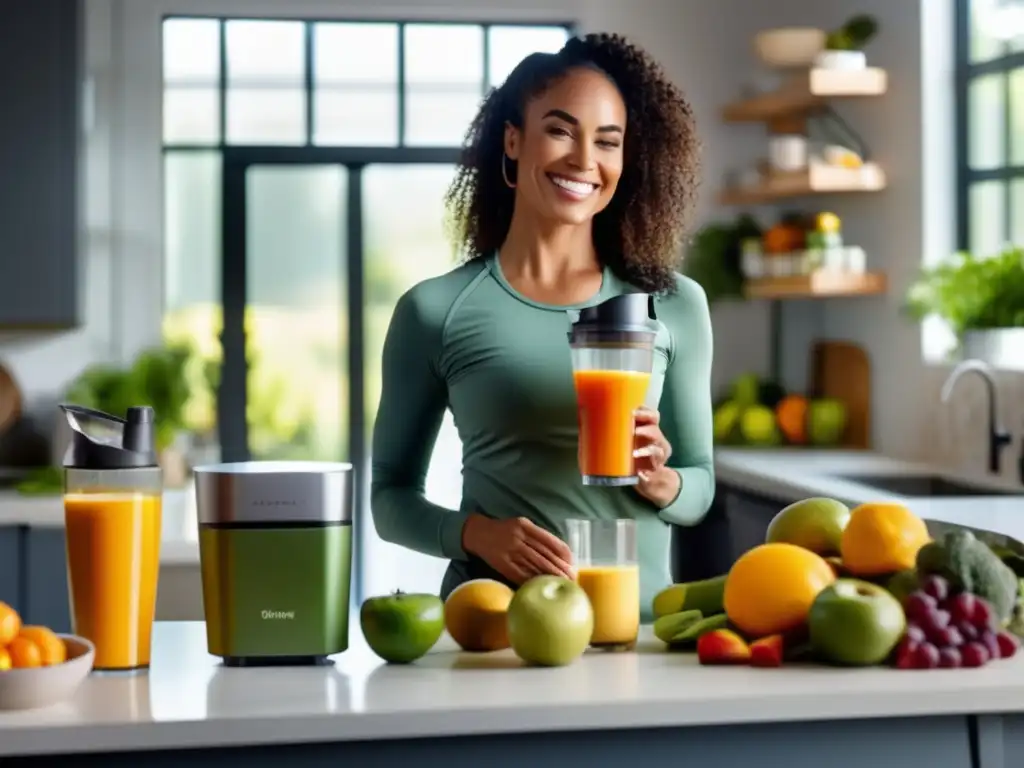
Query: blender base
pixel 610 481
pixel 276 661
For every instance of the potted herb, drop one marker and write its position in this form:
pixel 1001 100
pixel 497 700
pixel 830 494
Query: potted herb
pixel 982 301
pixel 844 47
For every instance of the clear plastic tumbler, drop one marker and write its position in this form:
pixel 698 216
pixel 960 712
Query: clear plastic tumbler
pixel 612 347
pixel 605 558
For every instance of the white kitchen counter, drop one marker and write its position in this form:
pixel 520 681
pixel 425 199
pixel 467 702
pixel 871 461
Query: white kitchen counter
pixel 793 474
pixel 188 700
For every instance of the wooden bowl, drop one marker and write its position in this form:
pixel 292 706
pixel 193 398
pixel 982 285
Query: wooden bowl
pixel 44 686
pixel 790 46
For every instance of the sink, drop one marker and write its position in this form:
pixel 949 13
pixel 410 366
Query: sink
pixel 925 485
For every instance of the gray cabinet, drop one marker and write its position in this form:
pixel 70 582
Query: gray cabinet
pixel 46 576
pixel 10 566
pixel 33 575
pixel 41 46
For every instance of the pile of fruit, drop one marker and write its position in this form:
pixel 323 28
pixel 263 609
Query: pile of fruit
pixel 547 621
pixel 761 413
pixel 26 646
pixel 853 588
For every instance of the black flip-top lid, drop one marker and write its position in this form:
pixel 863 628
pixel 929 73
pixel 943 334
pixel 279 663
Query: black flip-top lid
pixel 102 441
pixel 625 314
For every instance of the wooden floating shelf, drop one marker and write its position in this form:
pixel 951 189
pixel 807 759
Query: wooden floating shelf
pixel 823 283
pixel 818 179
pixel 807 91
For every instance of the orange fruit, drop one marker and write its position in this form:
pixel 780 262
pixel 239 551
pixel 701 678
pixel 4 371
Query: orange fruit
pixel 770 589
pixel 10 624
pixel 24 653
pixel 881 538
pixel 51 647
pixel 5 660
pixel 476 615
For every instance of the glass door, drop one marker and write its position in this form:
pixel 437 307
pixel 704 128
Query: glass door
pixel 316 257
pixel 403 243
pixel 296 314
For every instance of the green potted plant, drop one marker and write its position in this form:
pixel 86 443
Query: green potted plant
pixel 981 300
pixel 844 47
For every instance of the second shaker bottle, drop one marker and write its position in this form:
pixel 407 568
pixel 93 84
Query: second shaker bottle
pixel 113 498
pixel 612 347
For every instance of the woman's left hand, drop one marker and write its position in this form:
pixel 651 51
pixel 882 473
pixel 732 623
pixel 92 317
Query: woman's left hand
pixel 658 483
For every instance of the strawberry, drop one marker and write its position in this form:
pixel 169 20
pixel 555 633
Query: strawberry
pixel 722 646
pixel 767 652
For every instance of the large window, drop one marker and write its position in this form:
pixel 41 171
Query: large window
pixel 990 124
pixel 278 84
pixel 349 132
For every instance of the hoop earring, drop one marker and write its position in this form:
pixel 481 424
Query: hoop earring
pixel 504 172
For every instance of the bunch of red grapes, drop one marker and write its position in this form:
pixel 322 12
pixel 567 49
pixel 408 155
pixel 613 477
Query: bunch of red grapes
pixel 949 631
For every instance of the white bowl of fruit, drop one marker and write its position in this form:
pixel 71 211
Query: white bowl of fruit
pixel 39 667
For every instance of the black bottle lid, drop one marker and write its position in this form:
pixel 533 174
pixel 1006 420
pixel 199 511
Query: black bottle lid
pixel 619 316
pixel 102 441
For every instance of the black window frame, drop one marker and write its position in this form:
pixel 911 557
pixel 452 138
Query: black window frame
pixel 967 72
pixel 309 85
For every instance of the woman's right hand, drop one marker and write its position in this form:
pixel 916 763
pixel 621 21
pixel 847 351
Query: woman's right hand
pixel 517 548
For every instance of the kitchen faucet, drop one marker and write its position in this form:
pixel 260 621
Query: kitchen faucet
pixel 998 437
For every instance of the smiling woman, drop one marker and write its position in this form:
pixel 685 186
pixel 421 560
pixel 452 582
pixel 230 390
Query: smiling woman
pixel 573 188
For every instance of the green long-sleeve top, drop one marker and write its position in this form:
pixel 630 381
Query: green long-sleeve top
pixel 468 341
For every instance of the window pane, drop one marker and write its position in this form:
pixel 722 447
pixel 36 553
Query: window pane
pixel 444 53
pixel 295 282
pixel 987 218
pixel 346 53
pixel 986 21
pixel 1017 116
pixel 987 143
pixel 405 243
pixel 354 117
pixel 439 119
pixel 355 74
pixel 266 116
pixel 191 115
pixel 1017 207
pixel 192 279
pixel 266 52
pixel 444 82
pixel 191 51
pixel 266 102
pixel 510 45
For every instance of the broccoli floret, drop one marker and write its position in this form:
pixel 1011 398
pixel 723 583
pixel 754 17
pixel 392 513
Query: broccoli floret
pixel 971 566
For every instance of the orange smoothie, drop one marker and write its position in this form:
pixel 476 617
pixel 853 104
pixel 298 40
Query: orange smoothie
pixel 607 401
pixel 113 549
pixel 614 592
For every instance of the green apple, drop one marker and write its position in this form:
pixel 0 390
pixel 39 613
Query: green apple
pixel 550 621
pixel 855 623
pixel 401 627
pixel 826 421
pixel 816 524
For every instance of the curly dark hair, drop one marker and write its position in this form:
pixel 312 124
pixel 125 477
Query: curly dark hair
pixel 639 235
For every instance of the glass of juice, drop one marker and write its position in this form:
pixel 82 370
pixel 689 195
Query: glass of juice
pixel 113 501
pixel 605 558
pixel 612 347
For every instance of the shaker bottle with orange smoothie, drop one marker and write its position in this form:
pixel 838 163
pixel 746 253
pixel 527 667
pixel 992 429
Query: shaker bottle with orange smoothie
pixel 113 498
pixel 612 347
pixel 604 555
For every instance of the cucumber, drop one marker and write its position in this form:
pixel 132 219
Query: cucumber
pixel 707 596
pixel 688 637
pixel 669 626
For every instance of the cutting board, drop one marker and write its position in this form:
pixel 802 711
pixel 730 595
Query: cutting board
pixel 842 370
